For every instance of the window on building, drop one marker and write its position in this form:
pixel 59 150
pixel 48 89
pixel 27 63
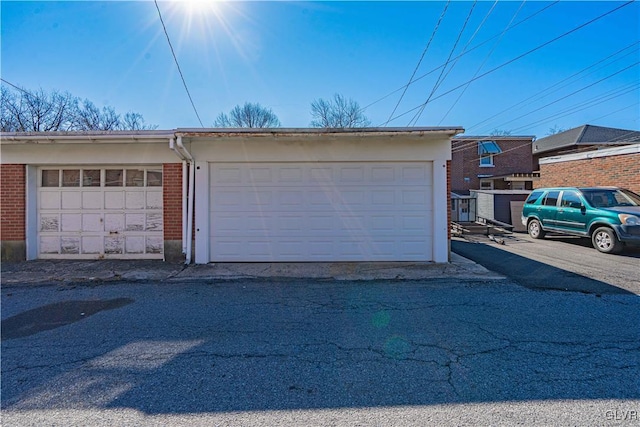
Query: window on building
pixel 486 184
pixel 486 160
pixel 486 151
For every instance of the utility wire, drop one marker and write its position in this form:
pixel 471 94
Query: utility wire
pixel 175 58
pixel 635 104
pixel 15 87
pixel 572 93
pixel 486 58
pixel 555 86
pixel 433 33
pixel 520 56
pixel 459 56
pixel 441 78
pixel 597 101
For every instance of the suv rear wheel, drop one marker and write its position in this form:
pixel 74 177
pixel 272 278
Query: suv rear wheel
pixel 605 240
pixel 535 229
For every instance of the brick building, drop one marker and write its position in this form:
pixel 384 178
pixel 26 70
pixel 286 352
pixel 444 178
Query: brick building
pixel 582 138
pixel 491 163
pixel 614 166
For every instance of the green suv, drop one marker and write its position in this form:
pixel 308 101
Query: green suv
pixel 610 216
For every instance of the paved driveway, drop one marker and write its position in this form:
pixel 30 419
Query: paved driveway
pixel 318 352
pixel 565 263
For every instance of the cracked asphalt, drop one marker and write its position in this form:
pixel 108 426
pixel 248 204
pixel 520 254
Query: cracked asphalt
pixel 322 352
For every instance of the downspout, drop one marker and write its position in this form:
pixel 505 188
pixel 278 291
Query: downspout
pixel 191 204
pixel 187 185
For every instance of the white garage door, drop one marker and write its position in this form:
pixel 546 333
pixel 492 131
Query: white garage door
pixel 111 212
pixel 343 211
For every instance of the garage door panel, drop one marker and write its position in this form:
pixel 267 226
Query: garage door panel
pixel 71 200
pixel 92 200
pixel 49 222
pixel 91 244
pixel 114 200
pixel 310 212
pixel 154 200
pixel 49 244
pixel 154 222
pixel 49 200
pixel 71 222
pixel 134 200
pixel 70 245
pixel 111 212
pixel 92 222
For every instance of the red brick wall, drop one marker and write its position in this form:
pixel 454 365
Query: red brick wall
pixel 12 202
pixel 172 198
pixel 516 157
pixel 620 171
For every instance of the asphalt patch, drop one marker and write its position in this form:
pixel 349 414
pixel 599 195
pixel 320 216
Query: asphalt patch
pixel 55 315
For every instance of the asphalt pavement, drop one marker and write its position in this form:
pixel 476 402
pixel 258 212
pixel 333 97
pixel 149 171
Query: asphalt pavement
pixel 461 346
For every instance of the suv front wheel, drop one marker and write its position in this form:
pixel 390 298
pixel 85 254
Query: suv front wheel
pixel 605 240
pixel 535 229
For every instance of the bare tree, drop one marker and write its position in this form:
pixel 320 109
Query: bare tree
pixel 555 129
pixel 248 116
pixel 338 113
pixel 499 132
pixel 39 111
pixel 36 111
pixel 135 121
pixel 89 117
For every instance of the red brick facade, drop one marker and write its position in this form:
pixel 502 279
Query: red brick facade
pixel 616 170
pixel 516 157
pixel 13 197
pixel 172 198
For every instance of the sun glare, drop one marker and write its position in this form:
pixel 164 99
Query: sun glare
pixel 198 7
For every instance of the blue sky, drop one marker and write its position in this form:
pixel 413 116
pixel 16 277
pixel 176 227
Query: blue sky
pixel 284 55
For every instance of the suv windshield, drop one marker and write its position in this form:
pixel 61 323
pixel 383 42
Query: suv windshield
pixel 609 198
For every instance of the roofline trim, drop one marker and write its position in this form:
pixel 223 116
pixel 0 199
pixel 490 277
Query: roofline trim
pixel 585 155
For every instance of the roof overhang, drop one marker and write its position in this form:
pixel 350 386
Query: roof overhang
pixel 110 137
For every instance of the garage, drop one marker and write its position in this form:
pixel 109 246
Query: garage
pixel 100 212
pixel 338 211
pixel 228 195
pixel 320 195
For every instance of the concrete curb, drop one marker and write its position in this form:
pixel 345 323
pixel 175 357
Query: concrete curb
pixel 45 272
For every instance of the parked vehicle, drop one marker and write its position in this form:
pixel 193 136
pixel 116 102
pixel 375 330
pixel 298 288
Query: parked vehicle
pixel 610 216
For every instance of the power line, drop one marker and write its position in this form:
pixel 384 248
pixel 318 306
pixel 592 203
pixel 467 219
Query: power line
pixel 459 56
pixel 556 86
pixel 175 58
pixel 617 111
pixel 572 93
pixel 433 33
pixel 486 58
pixel 15 87
pixel 597 101
pixel 520 56
pixel 441 78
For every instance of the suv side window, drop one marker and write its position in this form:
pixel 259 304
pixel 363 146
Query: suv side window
pixel 552 198
pixel 570 199
pixel 533 197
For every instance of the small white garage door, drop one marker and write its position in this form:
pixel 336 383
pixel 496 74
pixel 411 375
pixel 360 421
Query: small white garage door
pixel 345 211
pixel 111 212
